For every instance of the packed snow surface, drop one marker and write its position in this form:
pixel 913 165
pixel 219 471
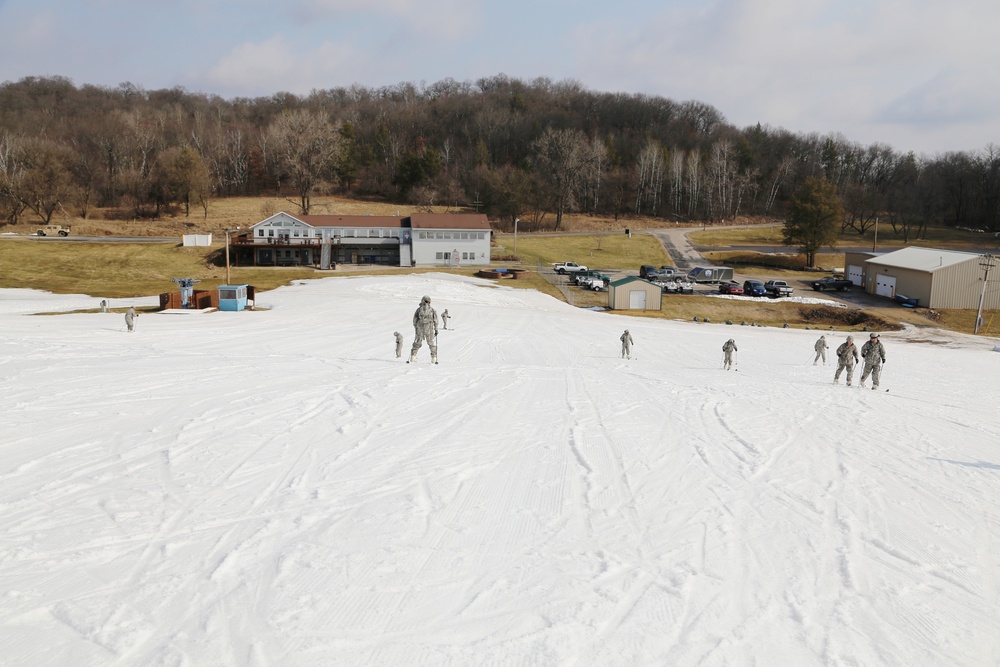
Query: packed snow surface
pixel 276 488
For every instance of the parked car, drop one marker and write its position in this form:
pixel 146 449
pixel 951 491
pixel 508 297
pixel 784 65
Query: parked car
pixel 669 271
pixel 776 288
pixel 754 288
pixel 732 287
pixel 647 271
pixel 563 268
pixel 831 282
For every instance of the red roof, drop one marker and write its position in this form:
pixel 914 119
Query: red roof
pixel 351 220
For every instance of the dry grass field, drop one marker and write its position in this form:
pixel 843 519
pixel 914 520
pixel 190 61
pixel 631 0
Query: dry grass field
pixel 124 270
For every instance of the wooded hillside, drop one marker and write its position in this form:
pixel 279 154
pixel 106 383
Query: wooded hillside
pixel 527 150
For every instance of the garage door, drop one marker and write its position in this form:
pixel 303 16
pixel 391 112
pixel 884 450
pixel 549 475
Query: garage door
pixel 854 274
pixel 637 299
pixel 885 285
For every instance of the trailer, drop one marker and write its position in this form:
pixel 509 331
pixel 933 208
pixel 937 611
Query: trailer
pixel 710 274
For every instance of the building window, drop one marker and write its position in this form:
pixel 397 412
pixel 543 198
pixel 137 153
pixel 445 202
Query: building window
pixel 439 255
pixel 270 232
pixel 260 232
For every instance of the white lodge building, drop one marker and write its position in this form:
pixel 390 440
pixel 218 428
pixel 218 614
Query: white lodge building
pixel 421 239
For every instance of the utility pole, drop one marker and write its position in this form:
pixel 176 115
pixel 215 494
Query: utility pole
pixel 986 263
pixel 516 220
pixel 227 257
pixel 875 240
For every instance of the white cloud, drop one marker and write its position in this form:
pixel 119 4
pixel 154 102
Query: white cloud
pixel 809 66
pixel 279 65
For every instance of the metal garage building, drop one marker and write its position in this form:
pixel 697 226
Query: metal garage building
pixel 936 278
pixel 634 294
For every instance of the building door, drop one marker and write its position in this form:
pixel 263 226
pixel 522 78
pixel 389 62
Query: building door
pixel 854 275
pixel 885 285
pixel 637 299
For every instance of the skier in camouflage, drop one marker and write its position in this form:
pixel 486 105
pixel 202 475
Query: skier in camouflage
pixel 444 318
pixel 847 355
pixel 425 326
pixel 130 317
pixel 399 343
pixel 874 355
pixel 820 348
pixel 626 339
pixel 728 348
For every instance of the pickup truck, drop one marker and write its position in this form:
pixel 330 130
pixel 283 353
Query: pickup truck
pixel 777 288
pixel 562 268
pixel 831 282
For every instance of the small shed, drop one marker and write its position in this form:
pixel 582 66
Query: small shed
pixel 634 293
pixel 232 297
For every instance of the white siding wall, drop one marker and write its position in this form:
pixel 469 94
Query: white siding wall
pixel 431 245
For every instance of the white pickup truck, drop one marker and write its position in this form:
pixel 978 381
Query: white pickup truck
pixel 562 268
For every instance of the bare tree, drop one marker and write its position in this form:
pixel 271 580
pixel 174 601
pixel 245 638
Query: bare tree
pixel 649 177
pixel 306 145
pixel 560 157
pixel 40 176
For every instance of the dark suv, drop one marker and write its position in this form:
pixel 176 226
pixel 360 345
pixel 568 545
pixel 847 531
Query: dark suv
pixel 754 288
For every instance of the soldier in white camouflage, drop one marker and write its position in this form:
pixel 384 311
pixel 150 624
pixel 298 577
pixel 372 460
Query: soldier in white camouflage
pixel 425 326
pixel 728 348
pixel 399 343
pixel 626 339
pixel 874 355
pixel 847 356
pixel 820 348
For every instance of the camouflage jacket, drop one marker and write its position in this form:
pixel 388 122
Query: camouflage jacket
pixel 873 352
pixel 847 353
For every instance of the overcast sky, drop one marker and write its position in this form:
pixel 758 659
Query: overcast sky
pixel 919 75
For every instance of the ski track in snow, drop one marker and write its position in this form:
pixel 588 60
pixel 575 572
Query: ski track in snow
pixel 275 488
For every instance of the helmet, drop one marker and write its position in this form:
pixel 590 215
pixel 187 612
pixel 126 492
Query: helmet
pixel 626 331
pixel 425 299
pixel 850 339
pixel 874 335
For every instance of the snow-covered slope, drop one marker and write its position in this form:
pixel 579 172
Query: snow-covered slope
pixel 276 488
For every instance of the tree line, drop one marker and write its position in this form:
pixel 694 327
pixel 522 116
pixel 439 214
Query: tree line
pixel 531 151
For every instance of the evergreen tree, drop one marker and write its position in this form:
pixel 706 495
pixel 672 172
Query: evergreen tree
pixel 814 218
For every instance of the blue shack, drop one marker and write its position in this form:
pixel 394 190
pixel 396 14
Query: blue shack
pixel 232 297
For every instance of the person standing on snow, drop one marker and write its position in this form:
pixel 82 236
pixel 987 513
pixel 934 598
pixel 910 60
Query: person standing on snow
pixel 130 316
pixel 847 356
pixel 874 355
pixel 626 339
pixel 728 348
pixel 820 348
pixel 399 343
pixel 444 318
pixel 425 326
